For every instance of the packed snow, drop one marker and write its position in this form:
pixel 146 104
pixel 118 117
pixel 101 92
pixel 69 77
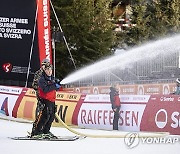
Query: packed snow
pixel 88 145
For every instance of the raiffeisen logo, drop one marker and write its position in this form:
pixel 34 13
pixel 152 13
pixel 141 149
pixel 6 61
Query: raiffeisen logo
pixel 161 118
pixel 7 67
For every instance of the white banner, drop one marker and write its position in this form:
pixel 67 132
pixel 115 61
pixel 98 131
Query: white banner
pixel 95 116
pixel 7 102
pixel 130 116
pixel 123 98
pixel 97 98
pixel 10 90
pixel 134 98
pixel 101 116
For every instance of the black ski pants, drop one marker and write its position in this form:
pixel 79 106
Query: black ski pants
pixel 116 119
pixel 47 117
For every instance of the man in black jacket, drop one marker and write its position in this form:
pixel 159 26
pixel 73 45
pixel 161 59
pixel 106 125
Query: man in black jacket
pixel 115 102
pixel 47 88
pixel 37 76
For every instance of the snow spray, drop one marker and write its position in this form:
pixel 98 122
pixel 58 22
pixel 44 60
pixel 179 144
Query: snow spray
pixel 149 50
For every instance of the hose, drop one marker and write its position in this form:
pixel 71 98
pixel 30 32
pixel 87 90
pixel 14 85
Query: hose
pixel 139 135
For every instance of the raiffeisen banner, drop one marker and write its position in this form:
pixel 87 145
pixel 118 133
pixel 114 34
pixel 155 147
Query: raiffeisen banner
pixel 96 112
pixel 151 113
pixel 24 37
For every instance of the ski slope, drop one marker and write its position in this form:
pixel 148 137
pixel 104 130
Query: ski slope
pixel 84 146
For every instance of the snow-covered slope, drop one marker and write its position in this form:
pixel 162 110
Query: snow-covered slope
pixel 83 146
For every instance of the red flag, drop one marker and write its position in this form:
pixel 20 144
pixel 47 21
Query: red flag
pixel 44 30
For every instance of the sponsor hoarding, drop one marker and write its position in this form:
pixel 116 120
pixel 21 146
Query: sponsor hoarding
pixel 24 36
pixel 158 113
pixel 8 99
pixel 135 89
pixel 162 114
pixel 96 112
pixel 7 103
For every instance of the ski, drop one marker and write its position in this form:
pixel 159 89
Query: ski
pixel 59 138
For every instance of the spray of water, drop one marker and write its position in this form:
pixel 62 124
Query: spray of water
pixel 147 51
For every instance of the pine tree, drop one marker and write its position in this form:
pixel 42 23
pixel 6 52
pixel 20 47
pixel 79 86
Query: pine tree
pixel 87 29
pixel 153 19
pixel 164 17
pixel 138 33
pixel 168 16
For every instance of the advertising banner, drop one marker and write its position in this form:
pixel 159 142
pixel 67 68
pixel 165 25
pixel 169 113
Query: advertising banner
pixel 24 37
pixel 162 114
pixel 65 110
pixel 151 113
pixel 26 109
pixel 17 21
pixel 96 112
pixel 7 103
pixel 8 99
pixel 44 30
pixel 66 106
pixel 135 89
pixel 92 115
